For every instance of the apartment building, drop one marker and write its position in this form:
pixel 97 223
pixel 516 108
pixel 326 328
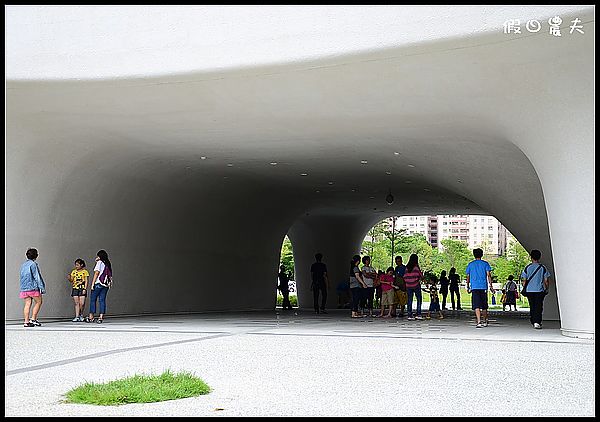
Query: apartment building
pixel 478 231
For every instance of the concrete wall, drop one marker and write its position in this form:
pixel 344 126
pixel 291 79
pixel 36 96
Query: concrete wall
pixel 106 127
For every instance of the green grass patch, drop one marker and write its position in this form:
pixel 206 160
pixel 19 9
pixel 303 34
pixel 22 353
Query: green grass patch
pixel 139 389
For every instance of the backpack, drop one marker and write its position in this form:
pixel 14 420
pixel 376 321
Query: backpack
pixel 105 278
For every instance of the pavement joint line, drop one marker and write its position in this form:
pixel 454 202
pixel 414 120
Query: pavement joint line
pixel 116 330
pixel 115 351
pixel 420 337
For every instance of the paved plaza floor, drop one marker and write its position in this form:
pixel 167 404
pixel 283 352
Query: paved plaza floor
pixel 296 363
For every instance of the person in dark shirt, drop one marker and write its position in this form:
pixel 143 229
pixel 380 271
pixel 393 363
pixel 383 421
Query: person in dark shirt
pixel 444 283
pixel 401 292
pixel 320 283
pixel 454 288
pixel 284 288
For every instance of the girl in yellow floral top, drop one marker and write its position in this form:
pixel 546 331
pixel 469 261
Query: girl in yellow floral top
pixel 79 283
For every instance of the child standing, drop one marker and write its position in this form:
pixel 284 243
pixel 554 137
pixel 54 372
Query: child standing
pixel 388 294
pixel 377 285
pixel 79 283
pixel 434 305
pixel 511 293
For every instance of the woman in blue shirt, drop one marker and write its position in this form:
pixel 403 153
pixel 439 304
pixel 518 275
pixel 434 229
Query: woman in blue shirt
pixel 32 288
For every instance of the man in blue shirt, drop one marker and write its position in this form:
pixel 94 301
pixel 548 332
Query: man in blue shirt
pixel 478 277
pixel 537 279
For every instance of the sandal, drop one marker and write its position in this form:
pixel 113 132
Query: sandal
pixel 99 320
pixel 88 319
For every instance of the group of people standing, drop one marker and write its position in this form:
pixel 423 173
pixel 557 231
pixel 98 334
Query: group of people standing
pixel 32 287
pixel 399 286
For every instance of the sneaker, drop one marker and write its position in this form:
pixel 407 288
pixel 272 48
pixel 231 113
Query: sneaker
pixel 419 317
pixel 76 319
pixel 35 322
pixel 537 326
pixel 485 323
pixel 479 325
pixel 411 318
pixel 28 324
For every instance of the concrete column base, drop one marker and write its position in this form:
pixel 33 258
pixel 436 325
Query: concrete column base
pixel 578 333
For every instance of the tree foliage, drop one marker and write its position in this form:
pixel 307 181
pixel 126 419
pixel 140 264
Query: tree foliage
pixel 287 257
pixel 455 253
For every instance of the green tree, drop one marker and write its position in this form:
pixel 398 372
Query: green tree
pixel 374 245
pixel 417 244
pixel 518 256
pixel 439 262
pixel 287 257
pixel 457 254
pixel 394 236
pixel 502 267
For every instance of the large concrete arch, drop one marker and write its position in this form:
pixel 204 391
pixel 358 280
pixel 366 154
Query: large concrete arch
pixel 105 139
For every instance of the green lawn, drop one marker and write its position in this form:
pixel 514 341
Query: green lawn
pixel 465 300
pixel 139 389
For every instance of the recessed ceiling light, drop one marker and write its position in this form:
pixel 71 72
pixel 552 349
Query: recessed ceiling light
pixel 371 197
pixel 273 163
pixel 203 158
pixel 389 173
pixel 396 153
pixel 330 182
pixel 363 161
pixel 408 181
pixel 318 191
pixel 229 165
pixel 353 190
pixel 411 165
pixel 303 174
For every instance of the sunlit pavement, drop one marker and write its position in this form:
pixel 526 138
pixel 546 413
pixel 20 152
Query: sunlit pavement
pixel 297 363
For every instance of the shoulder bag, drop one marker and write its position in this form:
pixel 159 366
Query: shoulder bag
pixel 524 289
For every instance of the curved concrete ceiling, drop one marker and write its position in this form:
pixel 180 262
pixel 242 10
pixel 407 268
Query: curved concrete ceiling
pixel 450 124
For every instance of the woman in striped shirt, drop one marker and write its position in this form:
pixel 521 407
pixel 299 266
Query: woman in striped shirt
pixel 412 277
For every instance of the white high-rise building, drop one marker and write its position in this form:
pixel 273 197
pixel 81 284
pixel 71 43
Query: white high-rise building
pixel 478 231
pixel 452 226
pixel 487 233
pixel 414 224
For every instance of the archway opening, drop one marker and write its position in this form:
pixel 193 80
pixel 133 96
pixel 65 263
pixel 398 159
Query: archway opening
pixel 286 276
pixel 446 241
